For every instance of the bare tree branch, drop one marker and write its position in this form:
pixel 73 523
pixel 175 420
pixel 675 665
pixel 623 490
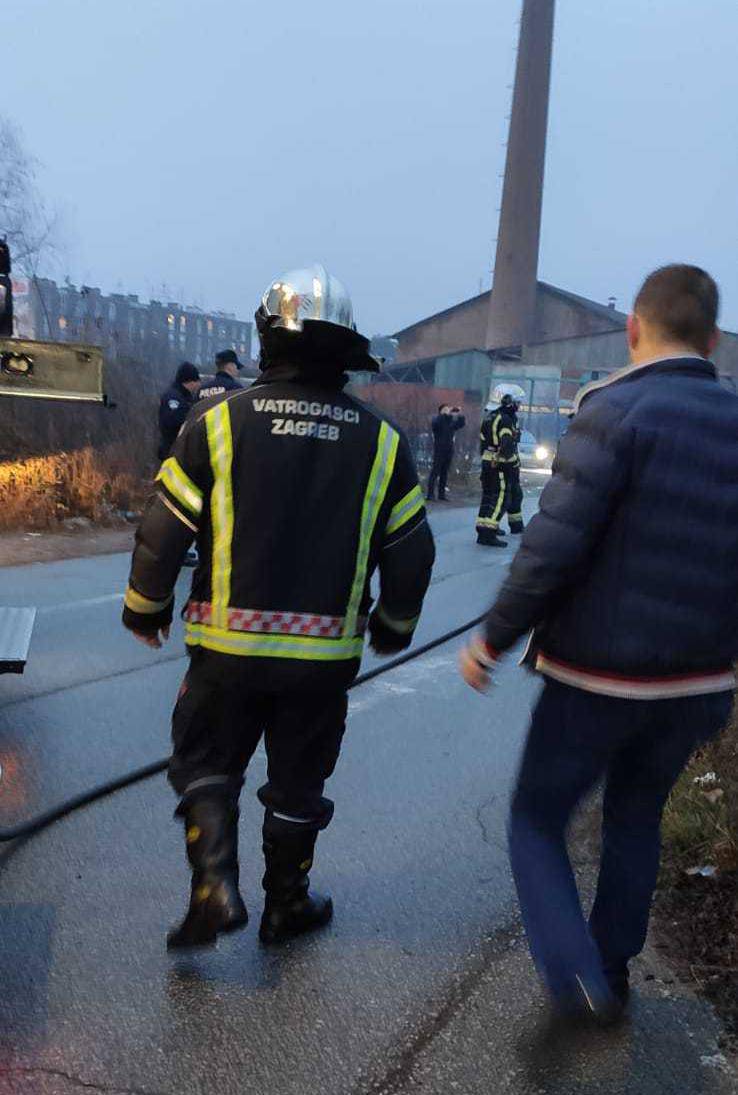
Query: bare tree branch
pixel 30 227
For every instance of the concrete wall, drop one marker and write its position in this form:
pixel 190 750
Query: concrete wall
pixel 413 406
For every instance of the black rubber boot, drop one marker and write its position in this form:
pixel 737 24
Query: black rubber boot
pixel 291 908
pixel 517 528
pixel 489 538
pixel 216 906
pixel 619 982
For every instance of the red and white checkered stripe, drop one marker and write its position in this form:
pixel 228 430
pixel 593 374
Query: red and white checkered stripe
pixel 272 623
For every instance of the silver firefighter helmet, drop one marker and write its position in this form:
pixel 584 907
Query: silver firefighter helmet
pixel 516 393
pixel 308 312
pixel 311 293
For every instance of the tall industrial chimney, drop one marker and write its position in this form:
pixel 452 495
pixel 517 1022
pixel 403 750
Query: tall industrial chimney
pixel 513 301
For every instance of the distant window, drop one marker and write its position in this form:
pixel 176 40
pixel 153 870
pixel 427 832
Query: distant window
pixel 111 311
pixel 62 323
pixel 182 322
pixel 170 319
pixel 210 325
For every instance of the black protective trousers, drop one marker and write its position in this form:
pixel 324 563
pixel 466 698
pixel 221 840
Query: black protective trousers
pixel 439 471
pixel 501 494
pixel 219 720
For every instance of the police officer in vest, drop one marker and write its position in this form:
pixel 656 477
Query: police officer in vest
pixel 501 490
pixel 175 404
pixel 281 602
pixel 227 368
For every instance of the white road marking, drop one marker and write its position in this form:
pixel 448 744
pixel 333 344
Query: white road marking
pixel 89 602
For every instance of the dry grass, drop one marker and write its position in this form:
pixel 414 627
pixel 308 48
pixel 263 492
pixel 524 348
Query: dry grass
pixel 41 491
pixel 701 817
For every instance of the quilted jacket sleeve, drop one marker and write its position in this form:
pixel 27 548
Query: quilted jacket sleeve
pixel 590 473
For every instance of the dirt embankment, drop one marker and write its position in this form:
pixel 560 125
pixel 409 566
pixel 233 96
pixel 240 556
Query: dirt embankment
pixel 75 542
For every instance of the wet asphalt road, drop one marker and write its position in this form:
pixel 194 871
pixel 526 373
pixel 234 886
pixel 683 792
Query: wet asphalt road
pixel 422 983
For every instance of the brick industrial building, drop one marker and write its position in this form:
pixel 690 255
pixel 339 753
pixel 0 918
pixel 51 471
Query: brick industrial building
pixel 544 338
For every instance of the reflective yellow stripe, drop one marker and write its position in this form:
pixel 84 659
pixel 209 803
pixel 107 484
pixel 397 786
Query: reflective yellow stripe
pixel 138 603
pixel 220 445
pixel 180 485
pixel 506 431
pixel 486 522
pixel 500 499
pixel 376 490
pixel 406 508
pixel 495 427
pixel 257 645
pixel 402 627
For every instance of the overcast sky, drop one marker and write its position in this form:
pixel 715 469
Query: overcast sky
pixel 209 146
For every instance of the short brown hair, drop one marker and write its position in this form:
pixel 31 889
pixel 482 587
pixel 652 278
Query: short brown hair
pixel 683 302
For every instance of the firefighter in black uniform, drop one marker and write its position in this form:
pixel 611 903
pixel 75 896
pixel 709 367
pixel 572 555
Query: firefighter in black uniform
pixel 296 493
pixel 227 367
pixel 175 404
pixel 501 490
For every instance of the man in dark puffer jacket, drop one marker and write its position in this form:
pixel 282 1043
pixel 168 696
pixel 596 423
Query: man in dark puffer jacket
pixel 628 578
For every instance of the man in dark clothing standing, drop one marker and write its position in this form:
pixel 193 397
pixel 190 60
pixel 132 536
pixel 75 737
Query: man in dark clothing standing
pixel 281 601
pixel 175 404
pixel 444 426
pixel 628 577
pixel 227 367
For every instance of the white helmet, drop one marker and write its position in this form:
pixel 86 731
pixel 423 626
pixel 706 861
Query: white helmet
pixel 513 390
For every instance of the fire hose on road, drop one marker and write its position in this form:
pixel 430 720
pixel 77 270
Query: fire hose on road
pixel 138 775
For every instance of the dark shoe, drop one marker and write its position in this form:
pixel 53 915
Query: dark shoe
pixel 620 987
pixel 490 539
pixel 603 1008
pixel 290 908
pixel 517 530
pixel 443 498
pixel 282 922
pixel 216 906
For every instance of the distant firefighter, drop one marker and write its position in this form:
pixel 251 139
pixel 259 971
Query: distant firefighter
pixel 501 490
pixel 628 580
pixel 445 426
pixel 296 493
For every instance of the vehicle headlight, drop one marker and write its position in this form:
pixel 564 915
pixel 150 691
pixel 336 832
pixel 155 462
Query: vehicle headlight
pixel 541 453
